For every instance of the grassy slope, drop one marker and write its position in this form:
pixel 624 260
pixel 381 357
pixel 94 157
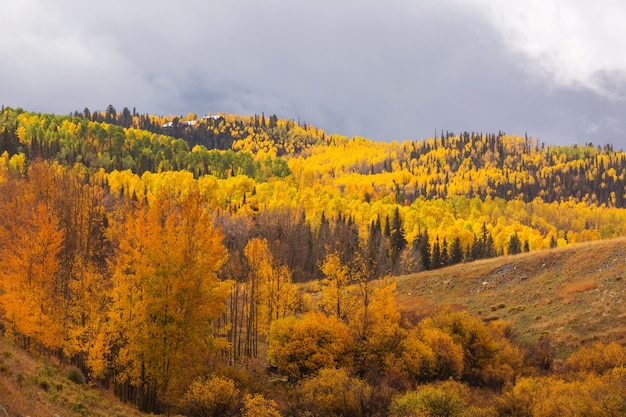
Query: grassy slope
pixel 34 387
pixel 573 295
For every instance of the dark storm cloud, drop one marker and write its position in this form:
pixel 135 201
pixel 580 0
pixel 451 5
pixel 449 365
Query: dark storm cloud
pixel 384 70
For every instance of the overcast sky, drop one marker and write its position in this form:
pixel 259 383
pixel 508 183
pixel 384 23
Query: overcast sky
pixel 385 70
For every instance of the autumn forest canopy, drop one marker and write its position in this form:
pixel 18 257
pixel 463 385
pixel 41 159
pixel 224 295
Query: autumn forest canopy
pixel 169 258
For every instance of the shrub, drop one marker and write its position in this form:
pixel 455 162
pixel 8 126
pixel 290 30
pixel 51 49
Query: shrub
pixel 79 408
pixel 448 399
pixel 540 355
pixel 334 393
pixel 301 346
pixel 448 356
pixel 44 383
pixel 258 406
pixel 597 358
pixel 489 357
pixel 75 375
pixel 592 395
pixel 216 396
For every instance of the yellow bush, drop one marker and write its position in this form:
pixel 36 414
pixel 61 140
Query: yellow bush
pixel 592 395
pixel 489 358
pixel 334 393
pixel 448 356
pixel 430 354
pixel 258 406
pixel 448 399
pixel 216 396
pixel 301 346
pixel 597 358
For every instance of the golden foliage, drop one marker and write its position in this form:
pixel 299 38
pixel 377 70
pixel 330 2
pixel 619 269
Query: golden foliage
pixel 334 393
pixel 212 397
pixel 598 358
pixel 302 346
pixel 258 406
pixel 489 358
pixel 447 399
pixel 30 294
pixel 166 292
pixel 590 395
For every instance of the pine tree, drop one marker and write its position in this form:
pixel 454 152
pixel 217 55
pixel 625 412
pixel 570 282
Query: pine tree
pixel 436 259
pixel 445 258
pixel 515 245
pixel 377 253
pixel 456 252
pixel 477 250
pixel 397 240
pixel 424 248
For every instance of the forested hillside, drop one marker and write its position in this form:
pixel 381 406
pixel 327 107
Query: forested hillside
pixel 159 255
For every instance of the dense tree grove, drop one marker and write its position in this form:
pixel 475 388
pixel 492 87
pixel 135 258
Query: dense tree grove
pixel 170 257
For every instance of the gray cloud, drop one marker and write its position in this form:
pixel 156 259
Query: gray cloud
pixel 574 43
pixel 383 70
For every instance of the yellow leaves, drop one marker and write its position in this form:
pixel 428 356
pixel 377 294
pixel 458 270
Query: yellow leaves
pixel 488 357
pixel 166 291
pixel 430 353
pixel 4 167
pixel 449 398
pixel 258 406
pixel 276 294
pixel 23 135
pixel 30 293
pixel 17 164
pixel 212 397
pixel 301 346
pixel 598 358
pixel 552 397
pixel 99 350
pixel 334 393
pixel 335 289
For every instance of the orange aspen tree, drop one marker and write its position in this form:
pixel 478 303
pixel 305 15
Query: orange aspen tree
pixel 166 294
pixel 28 275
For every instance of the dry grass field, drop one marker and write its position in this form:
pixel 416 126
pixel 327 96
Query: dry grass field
pixel 35 387
pixel 572 295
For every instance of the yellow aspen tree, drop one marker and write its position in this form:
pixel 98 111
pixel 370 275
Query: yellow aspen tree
pixel 335 291
pixel 377 319
pixel 166 294
pixel 275 292
pixel 82 270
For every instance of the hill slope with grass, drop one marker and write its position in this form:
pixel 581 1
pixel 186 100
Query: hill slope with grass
pixel 572 295
pixel 31 386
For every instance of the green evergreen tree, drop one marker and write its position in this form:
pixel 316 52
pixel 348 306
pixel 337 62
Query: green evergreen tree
pixel 397 239
pixel 436 259
pixel 515 245
pixel 377 250
pixel 456 252
pixel 423 244
pixel 445 257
